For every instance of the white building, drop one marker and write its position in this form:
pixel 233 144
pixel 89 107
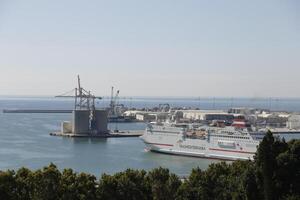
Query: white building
pixel 293 122
pixel 131 112
pixel 205 114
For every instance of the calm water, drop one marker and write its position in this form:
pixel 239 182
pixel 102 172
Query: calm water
pixel 25 139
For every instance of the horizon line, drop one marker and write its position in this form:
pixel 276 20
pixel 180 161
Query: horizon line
pixel 163 97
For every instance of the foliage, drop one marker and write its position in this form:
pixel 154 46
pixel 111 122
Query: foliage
pixel 163 184
pixel 130 184
pixel 274 174
pixel 7 185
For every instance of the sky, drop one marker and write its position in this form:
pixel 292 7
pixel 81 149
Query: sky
pixel 213 48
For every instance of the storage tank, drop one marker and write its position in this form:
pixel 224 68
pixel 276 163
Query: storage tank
pixel 81 121
pixel 101 121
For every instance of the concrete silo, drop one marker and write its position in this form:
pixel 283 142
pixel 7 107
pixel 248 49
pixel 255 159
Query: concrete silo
pixel 101 121
pixel 81 121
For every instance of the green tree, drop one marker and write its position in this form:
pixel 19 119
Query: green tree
pixel 108 187
pixel 69 185
pixel 192 187
pixel 249 184
pixel 130 184
pixel 164 185
pixel 288 170
pixel 7 185
pixel 292 197
pixel 265 161
pixel 24 184
pixel 47 183
pixel 86 186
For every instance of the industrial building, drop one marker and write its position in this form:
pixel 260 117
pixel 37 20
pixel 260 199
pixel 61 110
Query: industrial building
pixel 152 116
pixel 243 111
pixel 207 115
pixel 293 122
pixel 81 123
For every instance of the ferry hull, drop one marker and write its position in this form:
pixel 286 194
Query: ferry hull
pixel 230 156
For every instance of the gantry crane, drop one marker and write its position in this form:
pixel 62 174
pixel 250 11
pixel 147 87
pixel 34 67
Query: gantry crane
pixel 84 100
pixel 114 102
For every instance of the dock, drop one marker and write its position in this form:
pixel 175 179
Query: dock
pixel 35 111
pixel 121 134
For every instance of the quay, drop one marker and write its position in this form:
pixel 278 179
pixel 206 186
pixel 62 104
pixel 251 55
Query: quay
pixel 35 111
pixel 120 134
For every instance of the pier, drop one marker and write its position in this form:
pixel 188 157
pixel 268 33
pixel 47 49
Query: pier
pixel 35 111
pixel 120 134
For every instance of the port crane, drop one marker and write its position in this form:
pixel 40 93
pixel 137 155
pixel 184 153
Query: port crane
pixel 114 102
pixel 84 100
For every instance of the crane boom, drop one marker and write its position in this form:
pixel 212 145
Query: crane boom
pixel 83 99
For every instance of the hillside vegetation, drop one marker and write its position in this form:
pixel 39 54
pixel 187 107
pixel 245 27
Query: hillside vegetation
pixel 274 174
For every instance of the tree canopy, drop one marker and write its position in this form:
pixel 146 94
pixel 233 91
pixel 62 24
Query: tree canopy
pixel 274 174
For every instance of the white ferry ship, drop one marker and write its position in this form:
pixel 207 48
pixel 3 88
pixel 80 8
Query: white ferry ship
pixel 229 143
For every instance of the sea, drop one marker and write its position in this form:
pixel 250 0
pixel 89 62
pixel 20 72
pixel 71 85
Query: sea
pixel 25 139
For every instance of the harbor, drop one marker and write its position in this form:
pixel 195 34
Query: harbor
pixel 164 100
pixel 89 121
pixel 196 131
pixel 26 141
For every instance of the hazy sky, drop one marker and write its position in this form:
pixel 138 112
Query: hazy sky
pixel 151 48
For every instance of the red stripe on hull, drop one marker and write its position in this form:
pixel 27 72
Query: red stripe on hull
pixel 231 151
pixel 169 145
pixel 195 156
